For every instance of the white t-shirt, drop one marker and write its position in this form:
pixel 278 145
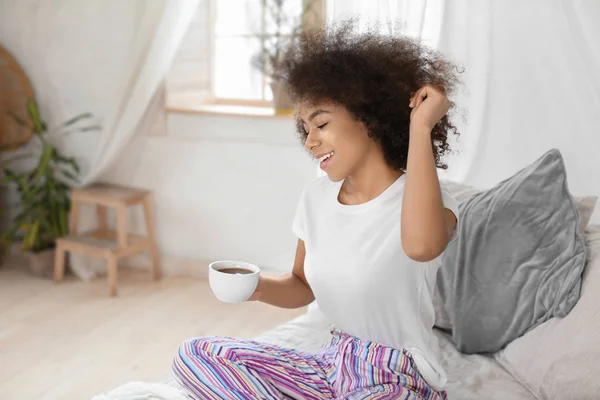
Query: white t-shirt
pixel 362 279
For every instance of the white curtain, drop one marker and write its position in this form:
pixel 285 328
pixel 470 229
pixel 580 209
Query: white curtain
pixel 532 83
pixel 135 106
pixel 161 28
pixel 531 80
pixel 417 18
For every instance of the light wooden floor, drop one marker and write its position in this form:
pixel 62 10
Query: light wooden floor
pixel 72 341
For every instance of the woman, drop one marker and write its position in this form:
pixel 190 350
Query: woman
pixel 373 111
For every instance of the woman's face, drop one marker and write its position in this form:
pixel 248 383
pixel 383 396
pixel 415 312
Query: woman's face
pixel 336 139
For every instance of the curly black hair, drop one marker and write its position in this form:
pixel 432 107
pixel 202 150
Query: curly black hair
pixel 373 75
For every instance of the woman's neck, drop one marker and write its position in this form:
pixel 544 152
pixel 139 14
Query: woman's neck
pixel 371 179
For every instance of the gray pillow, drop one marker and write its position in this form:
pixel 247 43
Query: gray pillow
pixel 518 259
pixel 462 192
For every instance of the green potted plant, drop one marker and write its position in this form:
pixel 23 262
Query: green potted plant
pixel 285 28
pixel 43 190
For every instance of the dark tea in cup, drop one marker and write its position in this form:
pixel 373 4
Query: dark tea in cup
pixel 236 271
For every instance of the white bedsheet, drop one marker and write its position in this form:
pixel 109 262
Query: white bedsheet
pixel 471 377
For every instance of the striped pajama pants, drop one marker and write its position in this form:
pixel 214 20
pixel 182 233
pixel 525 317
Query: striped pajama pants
pixel 218 368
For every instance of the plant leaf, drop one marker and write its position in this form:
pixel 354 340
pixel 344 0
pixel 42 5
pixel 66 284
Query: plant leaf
pixel 62 218
pixel 44 162
pixel 32 108
pixel 31 237
pixel 19 179
pixel 77 118
pixel 67 160
pixel 91 128
pixel 84 129
pixel 70 175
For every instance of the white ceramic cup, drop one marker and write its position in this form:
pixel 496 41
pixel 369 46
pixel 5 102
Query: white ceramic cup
pixel 232 288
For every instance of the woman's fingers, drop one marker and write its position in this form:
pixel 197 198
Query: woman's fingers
pixel 415 100
pixel 423 93
pixel 421 96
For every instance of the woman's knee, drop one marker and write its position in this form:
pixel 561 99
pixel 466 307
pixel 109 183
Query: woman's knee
pixel 204 347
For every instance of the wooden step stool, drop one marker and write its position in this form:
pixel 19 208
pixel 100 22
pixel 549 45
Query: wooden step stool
pixel 104 243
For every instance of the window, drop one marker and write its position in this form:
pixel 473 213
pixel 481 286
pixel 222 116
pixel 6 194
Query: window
pixel 215 61
pixel 241 29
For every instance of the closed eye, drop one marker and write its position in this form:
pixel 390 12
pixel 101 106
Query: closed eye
pixel 306 132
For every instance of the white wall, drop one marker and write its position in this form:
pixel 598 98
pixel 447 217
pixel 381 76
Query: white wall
pixel 225 187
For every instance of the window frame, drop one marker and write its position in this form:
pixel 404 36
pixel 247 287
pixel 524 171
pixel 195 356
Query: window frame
pixel 315 19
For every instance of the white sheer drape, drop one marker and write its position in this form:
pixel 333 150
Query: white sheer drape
pixel 420 19
pixel 531 80
pixel 161 27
